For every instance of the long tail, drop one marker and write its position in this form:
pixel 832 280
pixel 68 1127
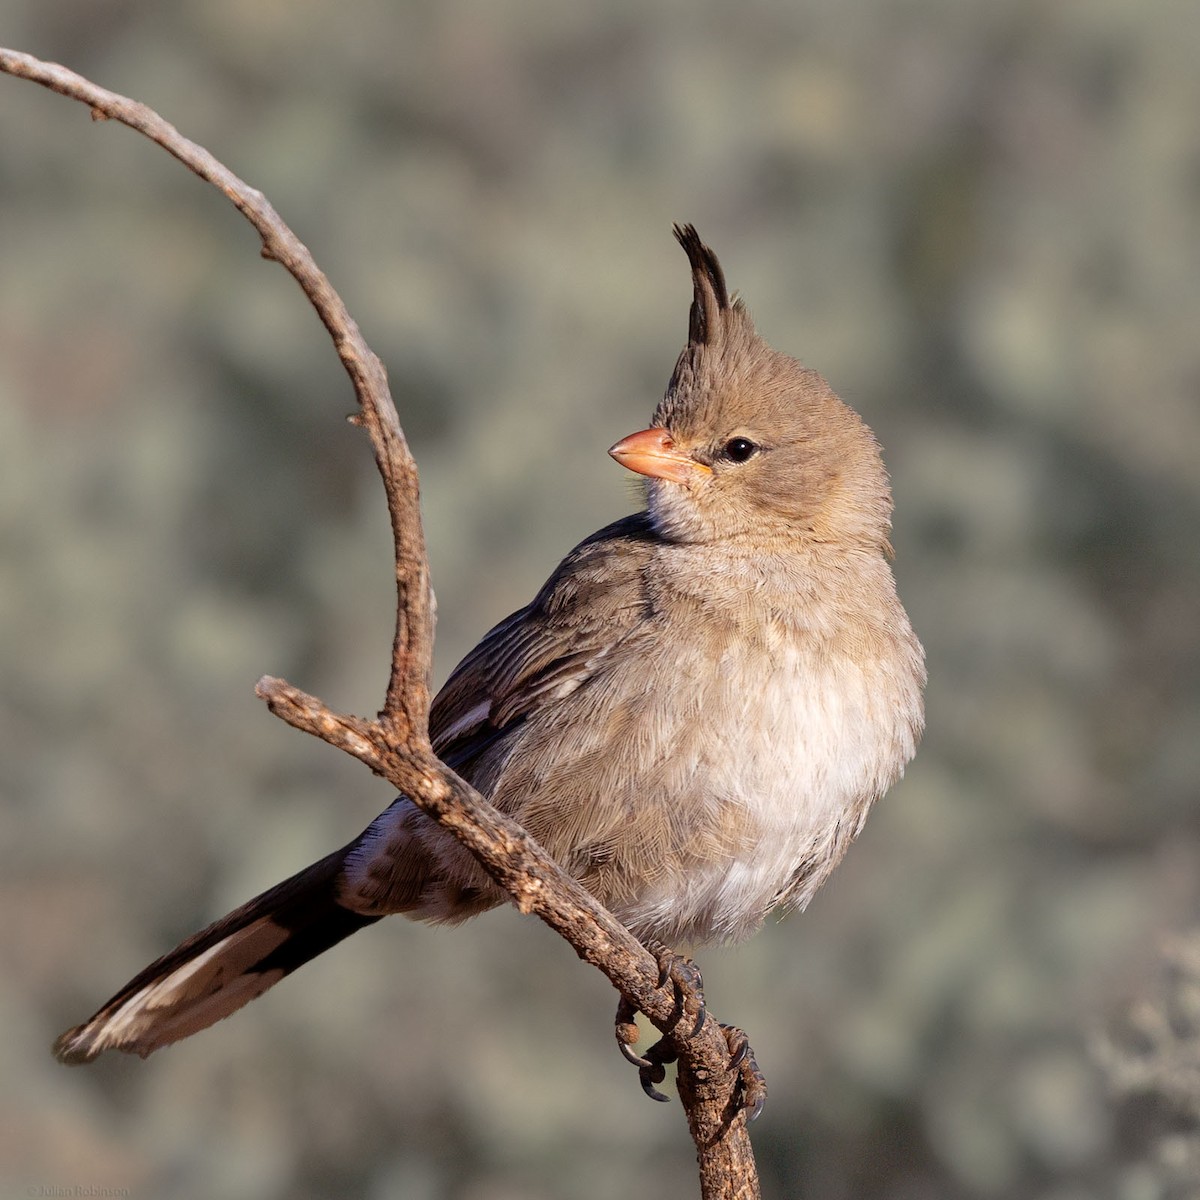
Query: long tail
pixel 219 969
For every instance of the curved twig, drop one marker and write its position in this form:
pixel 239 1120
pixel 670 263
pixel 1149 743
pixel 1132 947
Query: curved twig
pixel 396 746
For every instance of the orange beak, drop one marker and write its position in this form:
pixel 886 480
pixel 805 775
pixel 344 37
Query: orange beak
pixel 652 452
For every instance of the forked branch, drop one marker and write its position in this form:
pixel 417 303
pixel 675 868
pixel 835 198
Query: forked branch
pixel 396 745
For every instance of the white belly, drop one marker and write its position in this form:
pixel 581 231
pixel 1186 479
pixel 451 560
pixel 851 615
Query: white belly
pixel 813 749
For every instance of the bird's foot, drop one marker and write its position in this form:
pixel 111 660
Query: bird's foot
pixel 686 980
pixel 751 1081
pixel 688 985
pixel 652 1066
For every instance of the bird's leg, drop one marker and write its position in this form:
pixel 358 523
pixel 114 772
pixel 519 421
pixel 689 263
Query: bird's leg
pixel 685 978
pixel 753 1082
pixel 687 982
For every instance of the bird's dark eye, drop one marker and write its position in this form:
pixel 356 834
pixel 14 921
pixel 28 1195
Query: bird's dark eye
pixel 738 450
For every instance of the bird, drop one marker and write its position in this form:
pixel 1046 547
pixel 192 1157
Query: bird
pixel 693 716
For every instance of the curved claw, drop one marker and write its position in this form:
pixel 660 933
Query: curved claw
pixel 655 1070
pixel 739 1056
pixel 631 1056
pixel 752 1083
pixel 648 1082
pixel 626 1030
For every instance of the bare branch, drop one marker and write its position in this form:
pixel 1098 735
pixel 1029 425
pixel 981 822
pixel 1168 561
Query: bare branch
pixel 407 702
pixel 397 746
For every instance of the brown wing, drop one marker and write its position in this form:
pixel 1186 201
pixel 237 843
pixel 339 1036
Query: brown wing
pixel 520 670
pixel 594 599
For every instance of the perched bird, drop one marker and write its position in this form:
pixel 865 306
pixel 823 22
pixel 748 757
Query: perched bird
pixel 693 716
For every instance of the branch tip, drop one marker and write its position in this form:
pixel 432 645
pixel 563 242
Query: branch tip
pixel 266 686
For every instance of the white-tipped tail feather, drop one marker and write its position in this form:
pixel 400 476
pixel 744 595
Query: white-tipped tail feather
pixel 223 967
pixel 210 986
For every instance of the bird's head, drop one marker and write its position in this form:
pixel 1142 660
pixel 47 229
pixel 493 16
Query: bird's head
pixel 748 444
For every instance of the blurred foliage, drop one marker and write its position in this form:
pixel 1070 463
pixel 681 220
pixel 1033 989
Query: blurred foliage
pixel 1153 1062
pixel 978 219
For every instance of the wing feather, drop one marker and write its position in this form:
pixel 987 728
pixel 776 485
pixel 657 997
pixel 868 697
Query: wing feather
pixel 548 649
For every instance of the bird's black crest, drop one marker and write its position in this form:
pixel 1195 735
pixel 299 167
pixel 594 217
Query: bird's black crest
pixel 710 298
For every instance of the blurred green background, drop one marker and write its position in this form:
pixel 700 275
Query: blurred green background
pixel 980 220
